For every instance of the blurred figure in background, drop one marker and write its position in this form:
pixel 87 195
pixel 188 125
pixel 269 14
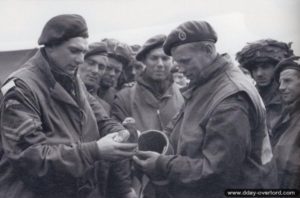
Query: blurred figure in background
pixel 136 67
pixel 260 58
pixel 119 55
pixel 178 76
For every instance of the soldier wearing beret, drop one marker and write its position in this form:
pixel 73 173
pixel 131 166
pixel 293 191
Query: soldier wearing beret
pixel 154 99
pixel 287 148
pixel 93 68
pixel 260 58
pixel 219 137
pixel 56 140
pixel 119 55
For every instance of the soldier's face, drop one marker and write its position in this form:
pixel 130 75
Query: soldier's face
pixel 192 61
pixel 92 69
pixel 263 74
pixel 137 69
pixel 289 85
pixel 69 54
pixel 158 64
pixel 112 73
pixel 180 79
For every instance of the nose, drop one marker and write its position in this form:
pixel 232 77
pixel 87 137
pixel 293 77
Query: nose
pixel 79 58
pixel 160 63
pixel 133 71
pixel 282 86
pixel 94 70
pixel 112 73
pixel 259 71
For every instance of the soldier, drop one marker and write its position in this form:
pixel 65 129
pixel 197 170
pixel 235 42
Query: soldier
pixel 93 68
pixel 119 55
pixel 260 58
pixel 154 99
pixel 220 137
pixel 287 148
pixel 53 134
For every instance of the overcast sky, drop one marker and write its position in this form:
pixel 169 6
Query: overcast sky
pixel 134 21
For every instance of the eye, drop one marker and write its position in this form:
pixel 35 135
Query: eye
pixel 74 51
pixel 153 58
pixel 90 62
pixel 101 66
pixel 109 68
pixel 288 80
pixel 166 58
pixel 184 61
pixel 118 71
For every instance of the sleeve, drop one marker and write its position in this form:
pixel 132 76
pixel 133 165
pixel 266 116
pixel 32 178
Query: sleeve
pixel 105 123
pixel 227 136
pixel 121 106
pixel 119 182
pixel 25 144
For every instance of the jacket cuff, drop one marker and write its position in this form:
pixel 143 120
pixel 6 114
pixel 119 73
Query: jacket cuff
pixel 161 169
pixel 91 151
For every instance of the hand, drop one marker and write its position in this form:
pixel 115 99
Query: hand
pixel 122 136
pixel 146 161
pixel 128 120
pixel 112 150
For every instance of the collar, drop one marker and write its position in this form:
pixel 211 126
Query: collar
pixel 92 89
pixel 218 66
pixel 56 89
pixel 293 108
pixel 158 89
pixel 67 81
pixel 270 95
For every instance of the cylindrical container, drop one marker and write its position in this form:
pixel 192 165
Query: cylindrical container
pixel 154 140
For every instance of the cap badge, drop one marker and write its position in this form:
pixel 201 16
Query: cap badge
pixel 182 35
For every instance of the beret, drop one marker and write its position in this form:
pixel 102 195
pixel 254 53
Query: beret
pixel 63 27
pixel 188 32
pixel 97 48
pixel 153 42
pixel 118 50
pixel 288 63
pixel 262 51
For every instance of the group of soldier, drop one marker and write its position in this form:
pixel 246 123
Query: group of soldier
pixel 227 126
